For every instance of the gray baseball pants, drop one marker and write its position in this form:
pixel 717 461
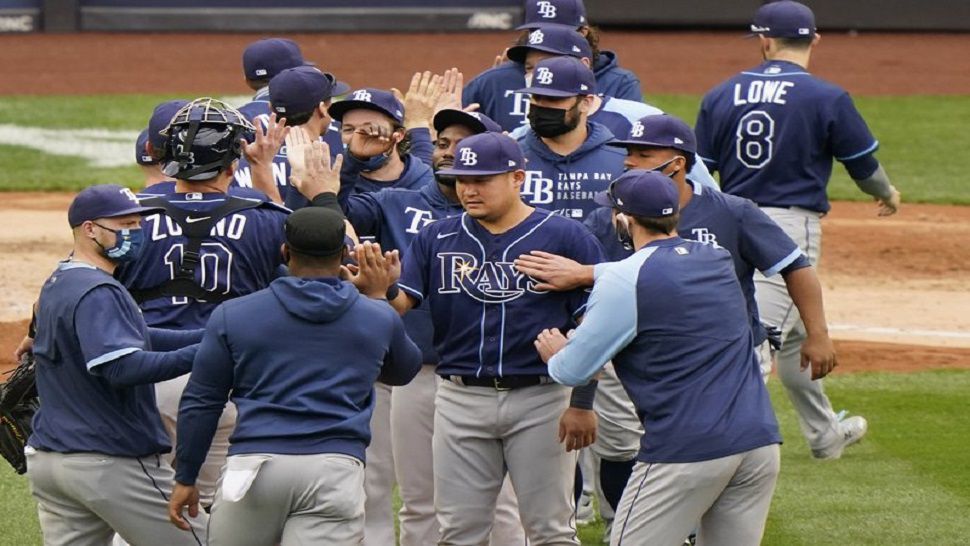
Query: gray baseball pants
pixel 480 434
pixel 730 496
pixel 295 500
pixel 412 431
pixel 818 421
pixel 83 499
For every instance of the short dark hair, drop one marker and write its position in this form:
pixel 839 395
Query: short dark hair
pixel 800 43
pixel 294 120
pixel 258 83
pixel 665 225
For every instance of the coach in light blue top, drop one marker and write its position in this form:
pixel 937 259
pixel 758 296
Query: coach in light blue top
pixel 673 319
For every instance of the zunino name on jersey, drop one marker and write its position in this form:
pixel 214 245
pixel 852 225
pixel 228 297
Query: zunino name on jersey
pixel 161 227
pixel 487 282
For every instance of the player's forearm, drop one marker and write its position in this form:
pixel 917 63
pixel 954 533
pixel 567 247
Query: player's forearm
pixel 147 367
pixel 264 181
pixel 877 184
pixel 421 145
pixel 402 362
pixel 806 293
pixel 197 423
pixel 169 340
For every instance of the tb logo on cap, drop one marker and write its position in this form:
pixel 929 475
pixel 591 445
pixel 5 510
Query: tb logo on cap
pixel 536 37
pixel 467 157
pixel 363 95
pixel 544 75
pixel 637 130
pixel 546 9
pixel 128 193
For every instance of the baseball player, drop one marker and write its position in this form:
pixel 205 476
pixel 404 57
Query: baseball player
pixel 151 145
pixel 771 132
pixel 303 379
pixel 393 217
pixel 206 246
pixel 568 159
pixel 300 96
pixel 664 143
pixel 496 411
pixel 94 459
pixel 494 89
pixel 673 319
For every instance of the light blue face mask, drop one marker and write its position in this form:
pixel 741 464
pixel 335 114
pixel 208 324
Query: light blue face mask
pixel 128 246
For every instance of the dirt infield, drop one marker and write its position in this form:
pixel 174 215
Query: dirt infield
pixel 667 62
pixel 896 289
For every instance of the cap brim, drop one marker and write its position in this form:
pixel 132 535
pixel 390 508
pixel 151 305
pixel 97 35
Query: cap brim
pixel 603 198
pixel 545 92
pixel 446 118
pixel 136 210
pixel 530 26
pixel 339 88
pixel 463 172
pixel 338 109
pixel 519 53
pixel 626 143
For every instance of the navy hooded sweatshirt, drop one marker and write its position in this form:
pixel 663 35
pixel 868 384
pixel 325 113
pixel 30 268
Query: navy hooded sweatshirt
pixel 494 89
pixel 300 359
pixel 566 184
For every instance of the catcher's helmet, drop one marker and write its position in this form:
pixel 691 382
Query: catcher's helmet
pixel 203 139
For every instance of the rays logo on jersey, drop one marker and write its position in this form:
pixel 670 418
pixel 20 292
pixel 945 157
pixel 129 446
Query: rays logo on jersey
pixel 536 37
pixel 363 95
pixel 467 157
pixel 544 75
pixel 536 189
pixel 704 235
pixel 487 282
pixel 547 10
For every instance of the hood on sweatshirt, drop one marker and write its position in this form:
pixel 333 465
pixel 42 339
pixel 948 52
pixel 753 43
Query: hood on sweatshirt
pixel 597 136
pixel 315 300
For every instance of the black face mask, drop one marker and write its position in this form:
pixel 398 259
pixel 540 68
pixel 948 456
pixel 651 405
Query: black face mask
pixel 552 122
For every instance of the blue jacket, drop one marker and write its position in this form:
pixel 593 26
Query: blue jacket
pixel 567 184
pixel 302 377
pixel 494 89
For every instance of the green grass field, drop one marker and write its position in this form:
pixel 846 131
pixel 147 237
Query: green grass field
pixel 922 142
pixel 907 483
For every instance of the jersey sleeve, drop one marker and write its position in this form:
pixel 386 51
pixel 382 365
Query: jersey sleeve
pixel 850 136
pixel 421 145
pixel 585 249
pixel 704 131
pixel 108 326
pixel 414 266
pixel 764 244
pixel 364 212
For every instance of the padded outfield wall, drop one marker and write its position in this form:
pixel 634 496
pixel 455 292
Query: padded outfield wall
pixel 447 15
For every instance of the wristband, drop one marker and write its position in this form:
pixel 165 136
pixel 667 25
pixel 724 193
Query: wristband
pixel 583 397
pixel 393 291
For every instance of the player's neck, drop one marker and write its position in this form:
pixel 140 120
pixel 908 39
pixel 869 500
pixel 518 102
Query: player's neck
pixel 642 238
pixel 449 192
pixel 298 270
pixel 154 175
pixel 685 190
pixel 568 143
pixel 511 218
pixel 389 172
pixel 93 256
pixel 801 58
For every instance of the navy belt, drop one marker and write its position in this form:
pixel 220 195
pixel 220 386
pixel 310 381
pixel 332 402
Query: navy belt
pixel 500 383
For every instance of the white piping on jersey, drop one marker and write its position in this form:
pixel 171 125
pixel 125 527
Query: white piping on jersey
pixel 760 75
pixel 868 150
pixel 108 357
pixel 783 263
pixel 413 292
pixel 481 323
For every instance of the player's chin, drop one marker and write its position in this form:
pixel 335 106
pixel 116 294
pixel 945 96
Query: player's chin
pixel 475 210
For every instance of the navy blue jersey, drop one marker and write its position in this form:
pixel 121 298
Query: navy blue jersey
pixel 673 320
pixel 772 133
pixel 243 176
pixel 487 313
pixel 394 217
pixel 257 107
pixel 493 89
pixel 241 256
pixel 85 319
pixel 567 184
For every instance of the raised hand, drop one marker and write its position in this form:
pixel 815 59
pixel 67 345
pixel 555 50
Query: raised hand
pixel 420 100
pixel 267 143
pixel 370 140
pixel 320 175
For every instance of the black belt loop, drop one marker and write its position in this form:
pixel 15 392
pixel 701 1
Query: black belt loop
pixel 500 383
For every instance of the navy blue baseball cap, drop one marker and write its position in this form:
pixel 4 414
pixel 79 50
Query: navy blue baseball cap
pixel 104 201
pixel 142 157
pixel 486 154
pixel 784 19
pixel 561 77
pixel 560 13
pixel 555 40
pixel 266 58
pixel 299 90
pixel 315 231
pixel 161 118
pixel 637 192
pixel 476 121
pixel 660 131
pixel 369 99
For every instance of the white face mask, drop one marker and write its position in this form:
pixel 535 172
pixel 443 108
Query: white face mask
pixel 623 231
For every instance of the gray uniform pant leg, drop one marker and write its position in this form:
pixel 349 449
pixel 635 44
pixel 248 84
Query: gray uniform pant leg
pixel 619 430
pixel 295 500
pixel 84 498
pixel 379 476
pixel 480 433
pixel 730 496
pixel 167 397
pixel 818 421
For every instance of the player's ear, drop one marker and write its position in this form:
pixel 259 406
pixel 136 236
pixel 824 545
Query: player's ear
pixel 518 178
pixel 587 61
pixel 285 253
pixel 817 39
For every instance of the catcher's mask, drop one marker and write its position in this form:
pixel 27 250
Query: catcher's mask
pixel 203 139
